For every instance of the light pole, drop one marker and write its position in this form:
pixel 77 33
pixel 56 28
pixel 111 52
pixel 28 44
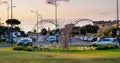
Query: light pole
pixel 11 10
pixel 117 5
pixel 56 20
pixel 55 3
pixel 11 22
pixel 8 7
pixel 37 15
pixel 0 3
pixel 8 10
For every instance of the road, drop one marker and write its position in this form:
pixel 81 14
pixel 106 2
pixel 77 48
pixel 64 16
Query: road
pixel 74 42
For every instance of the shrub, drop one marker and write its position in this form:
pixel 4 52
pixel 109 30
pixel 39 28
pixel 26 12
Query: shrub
pixel 35 48
pixel 106 47
pixel 40 49
pixel 46 49
pixel 18 48
pixel 3 40
pixel 29 48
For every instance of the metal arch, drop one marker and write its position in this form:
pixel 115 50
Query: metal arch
pixel 52 21
pixel 49 21
pixel 79 20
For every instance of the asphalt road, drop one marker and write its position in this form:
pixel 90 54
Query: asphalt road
pixel 74 42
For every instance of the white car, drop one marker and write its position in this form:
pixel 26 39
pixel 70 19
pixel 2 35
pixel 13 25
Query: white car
pixel 51 38
pixel 106 41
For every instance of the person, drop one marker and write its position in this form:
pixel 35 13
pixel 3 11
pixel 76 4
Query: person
pixel 70 40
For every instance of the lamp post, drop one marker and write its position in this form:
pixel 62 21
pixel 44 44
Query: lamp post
pixel 8 10
pixel 55 12
pixel 37 15
pixel 56 20
pixel 8 7
pixel 11 10
pixel 0 3
pixel 11 22
pixel 117 5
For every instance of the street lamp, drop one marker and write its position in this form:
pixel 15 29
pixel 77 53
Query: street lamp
pixel 117 5
pixel 11 22
pixel 55 12
pixel 11 11
pixel 37 15
pixel 8 7
pixel 56 20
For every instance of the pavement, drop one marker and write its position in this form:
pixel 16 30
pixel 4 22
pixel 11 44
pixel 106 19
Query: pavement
pixel 4 47
pixel 74 42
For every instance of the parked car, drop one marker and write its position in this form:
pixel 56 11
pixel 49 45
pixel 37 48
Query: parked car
pixel 81 37
pixel 95 39
pixel 52 39
pixel 33 39
pixel 77 37
pixel 106 41
pixel 25 42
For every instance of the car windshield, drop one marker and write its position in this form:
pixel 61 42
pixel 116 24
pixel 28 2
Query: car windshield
pixel 51 37
pixel 23 41
pixel 107 39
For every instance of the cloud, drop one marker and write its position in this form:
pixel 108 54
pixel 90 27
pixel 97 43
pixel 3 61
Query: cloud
pixel 53 1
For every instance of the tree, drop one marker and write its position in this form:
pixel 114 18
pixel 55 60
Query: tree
pixel 34 31
pixel 92 28
pixel 89 29
pixel 17 28
pixel 83 30
pixel 43 31
pixel 110 32
pixel 75 31
pixel 23 34
pixel 2 29
pixel 12 22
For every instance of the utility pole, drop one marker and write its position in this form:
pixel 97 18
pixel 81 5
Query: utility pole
pixel 11 10
pixel 117 13
pixel 11 31
pixel 56 20
pixel 37 15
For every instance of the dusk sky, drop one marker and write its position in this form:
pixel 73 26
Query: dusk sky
pixel 73 9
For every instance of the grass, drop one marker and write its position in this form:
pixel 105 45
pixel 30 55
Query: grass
pixel 4 44
pixel 7 55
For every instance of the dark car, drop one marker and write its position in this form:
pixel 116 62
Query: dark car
pixel 25 42
pixel 118 40
pixel 33 39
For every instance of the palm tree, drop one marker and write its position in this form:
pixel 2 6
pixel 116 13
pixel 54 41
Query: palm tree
pixel 12 22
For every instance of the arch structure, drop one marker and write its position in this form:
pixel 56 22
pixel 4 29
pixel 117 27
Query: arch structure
pixel 51 23
pixel 83 22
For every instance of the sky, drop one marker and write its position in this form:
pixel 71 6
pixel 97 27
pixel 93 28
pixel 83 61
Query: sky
pixel 73 9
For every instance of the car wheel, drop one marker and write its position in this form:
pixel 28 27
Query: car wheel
pixel 30 44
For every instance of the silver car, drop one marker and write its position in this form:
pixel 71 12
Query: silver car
pixel 107 41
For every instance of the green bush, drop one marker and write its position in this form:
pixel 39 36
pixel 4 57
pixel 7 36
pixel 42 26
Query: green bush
pixel 19 48
pixel 46 49
pixel 106 47
pixel 23 48
pixel 35 48
pixel 29 48
pixel 3 40
pixel 40 49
